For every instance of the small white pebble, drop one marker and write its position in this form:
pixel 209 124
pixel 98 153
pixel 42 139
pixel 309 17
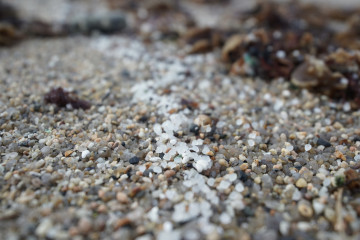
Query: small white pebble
pixel 168 226
pixel 239 122
pixel 223 185
pixel 239 187
pixel 157 169
pixel 85 153
pixel 225 218
pixel 157 129
pixel 142 168
pixel 280 54
pixel 307 147
pixel 211 182
pixel 346 107
pixel 251 143
pixel 232 177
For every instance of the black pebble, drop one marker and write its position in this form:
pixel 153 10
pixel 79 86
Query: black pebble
pixel 357 138
pixel 323 142
pixel 194 129
pixel 143 119
pixel 242 175
pixel 134 160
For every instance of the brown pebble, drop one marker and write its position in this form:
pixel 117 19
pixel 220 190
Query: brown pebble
pixel 122 222
pixel 353 180
pixel 305 210
pixel 84 225
pixel 301 183
pixel 122 197
pixel 102 208
pixel 73 231
pixel 68 153
pixel 340 155
pixel 201 46
pixel 169 173
pixel 244 166
pixel 210 153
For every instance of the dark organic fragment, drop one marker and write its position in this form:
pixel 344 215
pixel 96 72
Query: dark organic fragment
pixel 61 98
pixel 336 75
pixel 301 43
pixel 202 39
pixel 9 22
pixel 353 180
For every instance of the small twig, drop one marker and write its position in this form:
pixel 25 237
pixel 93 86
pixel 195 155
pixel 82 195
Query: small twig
pixel 339 224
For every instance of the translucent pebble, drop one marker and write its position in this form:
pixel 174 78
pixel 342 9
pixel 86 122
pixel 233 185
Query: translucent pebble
pixel 157 129
pixel 239 187
pixel 157 169
pixel 189 195
pixel 202 165
pixel 346 107
pixel 318 206
pixel 45 150
pixel 11 155
pixel 166 235
pixel 211 182
pixel 224 185
pixel 167 226
pixel 308 147
pixel 289 148
pixel 239 122
pixel 296 195
pixel 231 177
pixel 284 227
pixel 327 182
pixel 85 153
pixel 205 150
pixel 168 126
pixel 142 168
pixel 172 165
pixel 252 135
pixel 251 143
pixel 266 181
pixel 357 157
pixel 225 218
pixel 197 142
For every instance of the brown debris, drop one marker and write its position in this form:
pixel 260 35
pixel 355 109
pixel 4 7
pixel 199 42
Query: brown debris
pixel 61 98
pixel 121 223
pixel 202 40
pixel 8 35
pixel 299 42
pixel 336 75
pixel 353 180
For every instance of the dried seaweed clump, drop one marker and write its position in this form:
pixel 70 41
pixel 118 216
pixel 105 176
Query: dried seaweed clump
pixel 267 54
pixel 9 23
pixel 202 40
pixel 300 43
pixel 62 98
pixel 336 75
